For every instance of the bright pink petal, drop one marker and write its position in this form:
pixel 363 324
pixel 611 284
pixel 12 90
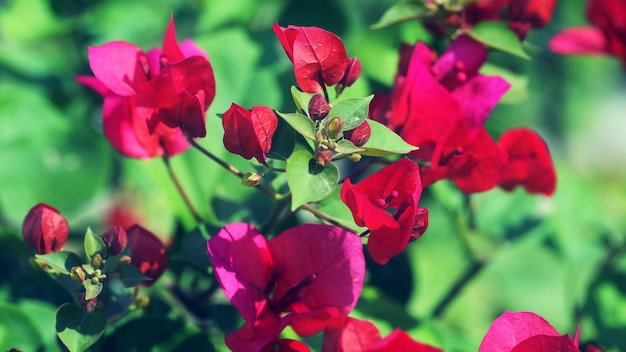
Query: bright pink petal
pixel 189 48
pixel 326 256
pixel 546 343
pixel 460 62
pixel 400 341
pixel 286 345
pixel 243 266
pixel 511 328
pixel 254 337
pixel 579 41
pixel 170 46
pixel 477 97
pixel 120 66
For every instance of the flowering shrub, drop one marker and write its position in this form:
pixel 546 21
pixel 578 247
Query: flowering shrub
pixel 351 182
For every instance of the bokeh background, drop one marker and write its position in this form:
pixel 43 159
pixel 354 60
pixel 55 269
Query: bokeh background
pixel 561 257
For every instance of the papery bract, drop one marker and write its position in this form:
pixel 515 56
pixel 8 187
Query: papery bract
pixel 147 253
pixel 399 340
pixel 529 162
pixel 45 229
pixel 512 329
pixel 249 133
pixel 319 57
pixel 290 274
pixel 286 345
pixel 396 186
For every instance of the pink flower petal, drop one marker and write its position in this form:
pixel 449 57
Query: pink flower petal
pixel 511 328
pixel 118 65
pixel 170 45
pixel 579 41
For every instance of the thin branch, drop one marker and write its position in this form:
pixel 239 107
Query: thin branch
pixel 181 191
pixel 326 218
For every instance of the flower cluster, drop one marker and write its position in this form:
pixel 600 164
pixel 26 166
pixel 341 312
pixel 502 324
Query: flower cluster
pixel 441 106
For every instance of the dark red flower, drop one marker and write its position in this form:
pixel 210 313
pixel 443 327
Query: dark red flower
pixel 147 253
pixel 319 57
pixel 525 332
pixel 165 90
pixel 45 229
pixel 529 162
pixel 286 280
pixel 606 37
pixel 249 133
pixel 386 203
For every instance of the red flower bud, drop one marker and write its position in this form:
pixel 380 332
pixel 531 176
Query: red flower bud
pixel 352 72
pixel 420 225
pixel 249 133
pixel 45 229
pixel 318 107
pixel 324 157
pixel 535 12
pixel 115 240
pixel 147 253
pixel 360 135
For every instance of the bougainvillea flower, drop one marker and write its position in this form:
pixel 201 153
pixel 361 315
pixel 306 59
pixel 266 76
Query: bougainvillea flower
pixel 172 87
pixel 286 280
pixel 127 132
pixel 319 57
pixel 386 203
pixel 525 332
pixel 529 162
pixel 45 229
pixel 147 253
pixel 345 334
pixel 606 37
pixel 249 133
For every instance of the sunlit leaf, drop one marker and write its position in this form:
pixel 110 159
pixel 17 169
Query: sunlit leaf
pixel 498 36
pixel 384 141
pixel 77 328
pixel 308 181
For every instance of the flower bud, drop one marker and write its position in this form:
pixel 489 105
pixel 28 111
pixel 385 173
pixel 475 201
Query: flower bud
pixel 45 229
pixel 115 240
pixel 324 157
pixel 356 157
pixel 334 127
pixel 352 72
pixel 251 179
pixel 142 302
pixel 360 135
pixel 78 274
pixel 96 261
pixel 318 107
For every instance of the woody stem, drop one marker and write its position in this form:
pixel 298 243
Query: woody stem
pixel 181 191
pixel 326 218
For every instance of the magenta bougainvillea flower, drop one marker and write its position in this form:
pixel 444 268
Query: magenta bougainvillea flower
pixel 529 163
pixel 386 203
pixel 286 345
pixel 301 278
pixel 345 334
pixel 165 90
pixel 249 133
pixel 45 229
pixel 147 253
pixel 607 36
pixel 525 332
pixel 319 57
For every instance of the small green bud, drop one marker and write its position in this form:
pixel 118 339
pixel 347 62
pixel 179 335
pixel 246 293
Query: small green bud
pixel 356 157
pixel 125 259
pixel 251 179
pixel 77 274
pixel 142 302
pixel 96 261
pixel 334 127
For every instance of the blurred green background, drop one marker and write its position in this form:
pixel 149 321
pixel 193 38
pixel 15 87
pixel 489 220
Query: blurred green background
pixel 561 257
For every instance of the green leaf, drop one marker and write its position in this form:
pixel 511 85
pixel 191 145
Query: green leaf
pixel 384 141
pixel 92 289
pixel 77 328
pixel 94 245
pixel 352 111
pixel 61 261
pixel 130 275
pixel 17 330
pixel 308 181
pixel 498 36
pixel 401 12
pixel 300 123
pixel 344 146
pixel 301 99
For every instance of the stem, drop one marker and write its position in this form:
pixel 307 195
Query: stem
pixel 233 170
pixel 181 191
pixel 457 288
pixel 326 218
